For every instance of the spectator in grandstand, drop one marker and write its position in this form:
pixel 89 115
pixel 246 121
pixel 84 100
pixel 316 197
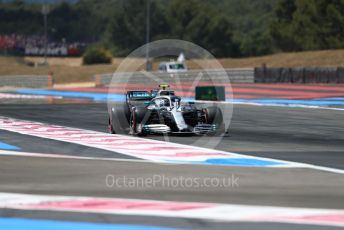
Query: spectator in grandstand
pixel 34 45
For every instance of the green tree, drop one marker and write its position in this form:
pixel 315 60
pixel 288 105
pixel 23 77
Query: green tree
pixel 96 55
pixel 309 25
pixel 250 20
pixel 281 27
pixel 73 22
pixel 199 22
pixel 127 28
pixel 333 24
pixel 18 17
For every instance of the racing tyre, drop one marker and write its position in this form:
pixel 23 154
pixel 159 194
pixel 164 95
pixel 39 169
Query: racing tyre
pixel 213 115
pixel 118 122
pixel 136 117
pixel 110 127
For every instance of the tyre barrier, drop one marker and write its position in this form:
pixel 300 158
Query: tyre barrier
pixel 299 75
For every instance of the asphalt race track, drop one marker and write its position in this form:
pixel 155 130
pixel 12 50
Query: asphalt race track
pixel 293 134
pixel 312 136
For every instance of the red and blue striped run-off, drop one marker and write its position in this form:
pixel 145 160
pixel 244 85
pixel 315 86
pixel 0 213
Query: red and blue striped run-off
pixel 152 150
pixel 323 95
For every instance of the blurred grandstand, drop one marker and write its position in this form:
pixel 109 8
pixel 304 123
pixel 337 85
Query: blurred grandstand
pixel 33 45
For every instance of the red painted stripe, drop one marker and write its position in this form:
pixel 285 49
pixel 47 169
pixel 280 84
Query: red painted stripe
pixel 287 95
pixel 244 91
pixel 333 218
pixel 304 97
pixel 137 147
pixel 105 204
pixel 313 87
pixel 321 87
pixel 186 154
pixel 276 92
pixel 325 218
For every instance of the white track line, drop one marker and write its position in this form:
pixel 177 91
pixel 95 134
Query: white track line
pixel 59 156
pixel 209 211
pixel 25 96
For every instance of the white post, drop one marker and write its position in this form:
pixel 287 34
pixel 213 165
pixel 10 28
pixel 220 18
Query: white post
pixel 45 12
pixel 148 64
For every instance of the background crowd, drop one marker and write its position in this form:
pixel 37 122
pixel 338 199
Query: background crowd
pixel 35 45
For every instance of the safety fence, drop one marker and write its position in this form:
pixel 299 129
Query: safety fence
pixel 299 75
pixel 244 75
pixel 27 81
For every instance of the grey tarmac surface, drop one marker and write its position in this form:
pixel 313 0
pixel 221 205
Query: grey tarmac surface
pixel 294 134
pixel 256 186
pixel 253 186
pixel 158 221
pixel 33 144
pixel 302 135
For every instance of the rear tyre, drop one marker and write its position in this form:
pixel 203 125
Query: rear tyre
pixel 135 125
pixel 118 120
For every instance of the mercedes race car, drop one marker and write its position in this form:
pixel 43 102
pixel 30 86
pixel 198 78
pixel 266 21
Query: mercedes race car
pixel 161 112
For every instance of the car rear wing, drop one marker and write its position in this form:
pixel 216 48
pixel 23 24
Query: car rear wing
pixel 139 96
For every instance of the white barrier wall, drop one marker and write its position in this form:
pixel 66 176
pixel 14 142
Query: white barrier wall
pixel 26 81
pixel 242 75
pixel 35 51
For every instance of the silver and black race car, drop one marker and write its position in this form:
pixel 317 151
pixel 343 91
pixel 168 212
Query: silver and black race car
pixel 161 112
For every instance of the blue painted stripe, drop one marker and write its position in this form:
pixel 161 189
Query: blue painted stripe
pixel 8 146
pixel 242 162
pixel 34 224
pixel 94 96
pixel 332 99
pixel 121 97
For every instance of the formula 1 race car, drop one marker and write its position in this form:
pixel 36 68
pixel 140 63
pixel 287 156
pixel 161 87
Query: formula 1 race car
pixel 161 112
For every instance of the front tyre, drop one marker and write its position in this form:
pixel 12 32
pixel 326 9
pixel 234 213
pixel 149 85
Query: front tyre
pixel 213 115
